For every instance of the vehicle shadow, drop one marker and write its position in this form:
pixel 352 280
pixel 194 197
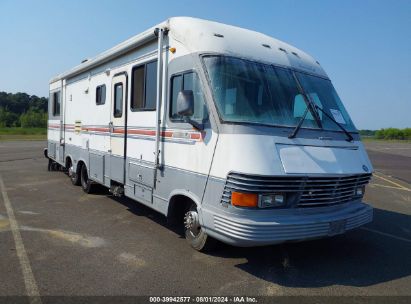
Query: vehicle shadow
pixel 359 258
pixel 362 257
pixel 141 210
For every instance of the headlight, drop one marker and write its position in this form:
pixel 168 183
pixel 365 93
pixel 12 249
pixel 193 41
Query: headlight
pixel 271 200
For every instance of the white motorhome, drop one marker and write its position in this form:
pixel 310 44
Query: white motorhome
pixel 239 136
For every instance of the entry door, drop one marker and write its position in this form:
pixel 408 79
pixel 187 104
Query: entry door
pixel 118 127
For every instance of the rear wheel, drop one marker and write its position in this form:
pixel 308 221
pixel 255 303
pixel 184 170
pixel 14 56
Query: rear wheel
pixel 50 165
pixel 86 184
pixel 194 233
pixel 73 174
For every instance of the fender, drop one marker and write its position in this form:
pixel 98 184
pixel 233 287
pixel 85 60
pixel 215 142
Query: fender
pixel 189 195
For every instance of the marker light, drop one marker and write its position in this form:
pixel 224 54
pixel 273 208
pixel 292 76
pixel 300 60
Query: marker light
pixel 172 50
pixel 271 200
pixel 244 199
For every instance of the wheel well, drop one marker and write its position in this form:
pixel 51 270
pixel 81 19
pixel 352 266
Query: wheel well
pixel 177 207
pixel 68 162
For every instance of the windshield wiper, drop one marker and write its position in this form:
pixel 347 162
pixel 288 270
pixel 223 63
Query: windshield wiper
pixel 309 104
pixel 350 138
pixel 297 128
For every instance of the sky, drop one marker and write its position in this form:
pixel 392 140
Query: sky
pixel 364 46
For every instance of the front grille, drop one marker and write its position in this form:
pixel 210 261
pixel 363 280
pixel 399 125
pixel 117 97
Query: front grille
pixel 301 191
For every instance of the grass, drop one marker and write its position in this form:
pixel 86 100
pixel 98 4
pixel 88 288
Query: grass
pixel 23 134
pixel 373 139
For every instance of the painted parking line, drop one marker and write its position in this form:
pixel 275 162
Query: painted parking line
pixel 396 185
pixel 399 238
pixel 29 281
pixel 390 187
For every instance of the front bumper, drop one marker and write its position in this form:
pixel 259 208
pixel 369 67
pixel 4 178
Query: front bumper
pixel 274 226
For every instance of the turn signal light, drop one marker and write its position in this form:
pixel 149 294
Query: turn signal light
pixel 244 199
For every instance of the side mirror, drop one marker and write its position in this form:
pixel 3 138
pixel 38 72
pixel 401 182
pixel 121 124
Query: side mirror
pixel 185 103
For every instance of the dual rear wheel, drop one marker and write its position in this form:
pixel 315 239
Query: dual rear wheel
pixel 79 177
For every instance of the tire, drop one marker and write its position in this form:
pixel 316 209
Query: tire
pixel 194 234
pixel 74 176
pixel 86 184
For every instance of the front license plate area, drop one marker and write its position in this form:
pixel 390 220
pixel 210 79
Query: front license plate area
pixel 336 227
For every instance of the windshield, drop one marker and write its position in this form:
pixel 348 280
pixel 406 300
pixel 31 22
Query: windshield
pixel 252 92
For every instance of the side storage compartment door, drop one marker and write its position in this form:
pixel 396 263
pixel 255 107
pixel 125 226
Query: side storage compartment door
pixel 142 177
pixel 97 167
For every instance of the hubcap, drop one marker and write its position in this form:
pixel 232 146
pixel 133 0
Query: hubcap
pixel 71 171
pixel 191 222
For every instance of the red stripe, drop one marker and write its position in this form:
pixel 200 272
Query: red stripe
pixel 141 132
pixel 145 132
pixel 97 129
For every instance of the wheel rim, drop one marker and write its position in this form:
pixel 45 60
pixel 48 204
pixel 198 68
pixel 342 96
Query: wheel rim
pixel 70 170
pixel 84 176
pixel 192 223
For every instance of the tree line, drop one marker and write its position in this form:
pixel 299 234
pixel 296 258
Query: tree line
pixel 23 110
pixel 388 133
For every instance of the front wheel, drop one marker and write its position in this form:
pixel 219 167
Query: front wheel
pixel 86 184
pixel 195 235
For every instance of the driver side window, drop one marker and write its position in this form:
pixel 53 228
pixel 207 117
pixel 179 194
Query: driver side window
pixel 188 81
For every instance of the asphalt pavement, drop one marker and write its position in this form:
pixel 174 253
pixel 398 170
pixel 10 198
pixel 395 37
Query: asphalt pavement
pixel 72 243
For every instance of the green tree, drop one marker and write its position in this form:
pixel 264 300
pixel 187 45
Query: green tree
pixel 8 119
pixel 33 119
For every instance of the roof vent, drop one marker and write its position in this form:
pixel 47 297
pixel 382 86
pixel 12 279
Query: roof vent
pixel 295 54
pixel 218 35
pixel 283 50
pixel 266 46
pixel 84 60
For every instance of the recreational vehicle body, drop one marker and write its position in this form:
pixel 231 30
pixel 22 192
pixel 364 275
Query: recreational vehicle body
pixel 239 136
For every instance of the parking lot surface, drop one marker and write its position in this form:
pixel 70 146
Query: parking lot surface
pixel 72 243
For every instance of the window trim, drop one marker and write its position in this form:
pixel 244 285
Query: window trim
pixel 144 86
pixel 122 99
pixel 170 102
pixel 105 94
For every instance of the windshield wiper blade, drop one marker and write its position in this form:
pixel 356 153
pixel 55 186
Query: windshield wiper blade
pixel 298 127
pixel 350 138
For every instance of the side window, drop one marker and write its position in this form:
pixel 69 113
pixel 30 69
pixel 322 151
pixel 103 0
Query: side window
pixel 101 94
pixel 118 99
pixel 144 87
pixel 56 103
pixel 188 81
pixel 176 86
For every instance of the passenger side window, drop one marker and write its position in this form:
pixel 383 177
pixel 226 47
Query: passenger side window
pixel 144 87
pixel 188 81
pixel 56 103
pixel 101 94
pixel 118 99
